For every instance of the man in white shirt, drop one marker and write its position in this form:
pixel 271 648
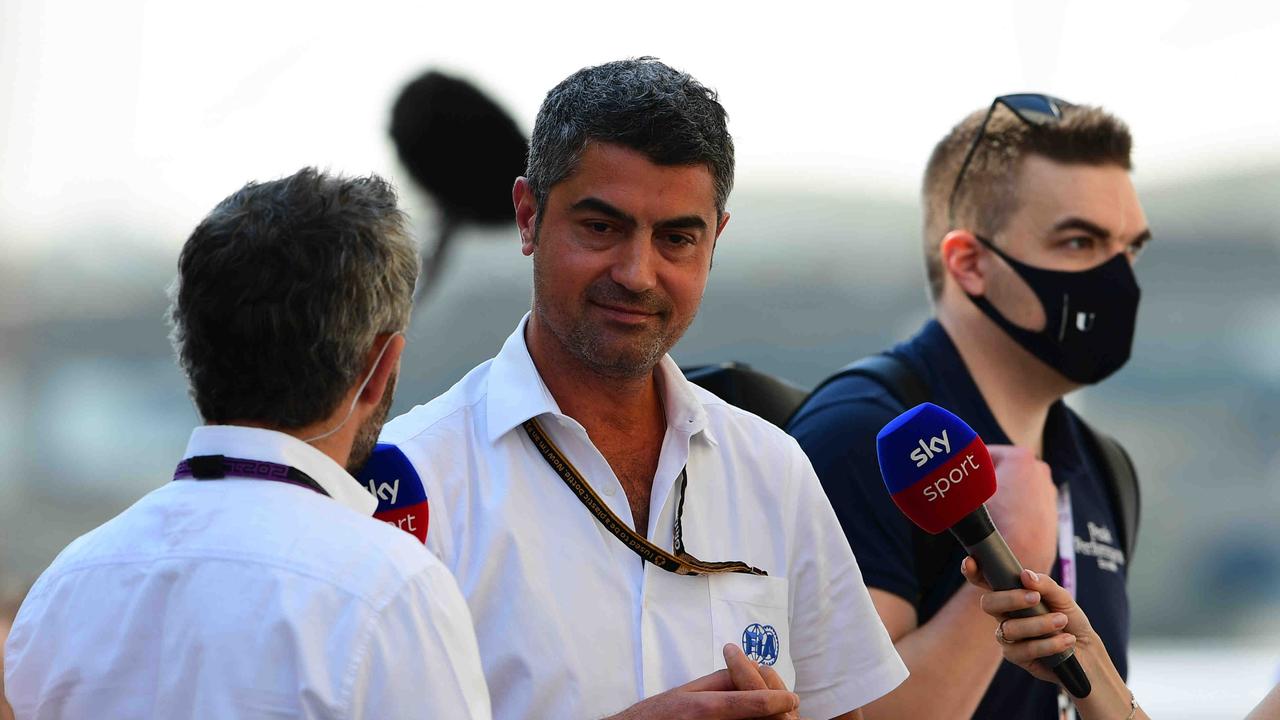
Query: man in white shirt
pixel 554 468
pixel 256 584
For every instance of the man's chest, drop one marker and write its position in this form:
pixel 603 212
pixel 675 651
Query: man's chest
pixel 557 605
pixel 634 460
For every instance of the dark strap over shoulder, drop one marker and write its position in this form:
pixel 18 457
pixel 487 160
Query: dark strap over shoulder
pixel 772 398
pixel 1123 483
pixel 932 554
pixel 886 370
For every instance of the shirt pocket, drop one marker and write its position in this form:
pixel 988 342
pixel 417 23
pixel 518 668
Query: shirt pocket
pixel 752 612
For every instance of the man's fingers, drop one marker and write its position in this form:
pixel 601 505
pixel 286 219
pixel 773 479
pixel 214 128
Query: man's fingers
pixel 775 682
pixel 998 604
pixel 745 674
pixel 717 681
pixel 743 704
pixel 772 679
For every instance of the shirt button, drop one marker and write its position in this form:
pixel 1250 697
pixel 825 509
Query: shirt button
pixel 609 491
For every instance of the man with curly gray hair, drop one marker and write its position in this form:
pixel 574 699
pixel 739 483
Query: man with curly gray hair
pixel 256 584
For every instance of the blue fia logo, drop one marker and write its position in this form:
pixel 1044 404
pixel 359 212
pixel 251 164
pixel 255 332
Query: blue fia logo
pixel 760 643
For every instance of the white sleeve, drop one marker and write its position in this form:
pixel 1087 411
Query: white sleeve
pixel 420 658
pixel 848 658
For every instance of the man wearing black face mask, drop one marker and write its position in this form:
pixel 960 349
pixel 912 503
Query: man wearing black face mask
pixel 1031 228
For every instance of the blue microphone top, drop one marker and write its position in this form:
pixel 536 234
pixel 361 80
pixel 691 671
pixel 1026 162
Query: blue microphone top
pixel 917 442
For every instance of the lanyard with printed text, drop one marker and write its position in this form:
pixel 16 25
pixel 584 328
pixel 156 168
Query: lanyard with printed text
pixel 217 467
pixel 680 563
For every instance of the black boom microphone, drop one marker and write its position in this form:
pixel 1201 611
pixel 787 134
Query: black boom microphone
pixel 463 150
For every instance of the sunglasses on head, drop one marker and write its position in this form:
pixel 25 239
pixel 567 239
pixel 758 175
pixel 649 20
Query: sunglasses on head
pixel 1033 109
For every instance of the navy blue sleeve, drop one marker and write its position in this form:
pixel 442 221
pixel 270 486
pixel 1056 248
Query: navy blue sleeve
pixel 837 430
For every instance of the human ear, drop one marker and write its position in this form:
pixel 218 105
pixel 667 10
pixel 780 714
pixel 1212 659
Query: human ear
pixel 386 355
pixel 526 207
pixel 960 255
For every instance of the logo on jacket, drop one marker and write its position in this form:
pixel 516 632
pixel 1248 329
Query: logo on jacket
pixel 760 643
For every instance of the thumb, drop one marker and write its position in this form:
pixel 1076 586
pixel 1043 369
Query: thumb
pixel 745 674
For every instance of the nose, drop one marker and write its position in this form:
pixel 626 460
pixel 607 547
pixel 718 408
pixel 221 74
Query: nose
pixel 635 266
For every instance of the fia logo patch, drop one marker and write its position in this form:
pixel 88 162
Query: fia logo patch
pixel 760 643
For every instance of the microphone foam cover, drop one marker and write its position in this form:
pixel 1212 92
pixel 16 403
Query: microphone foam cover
pixel 935 467
pixel 395 483
pixel 462 148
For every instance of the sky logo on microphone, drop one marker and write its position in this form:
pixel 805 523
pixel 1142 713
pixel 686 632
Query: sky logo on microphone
pixel 925 453
pixel 935 466
pixel 402 499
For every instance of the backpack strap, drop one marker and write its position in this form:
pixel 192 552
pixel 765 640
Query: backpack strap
pixel 1122 481
pixel 885 369
pixel 932 553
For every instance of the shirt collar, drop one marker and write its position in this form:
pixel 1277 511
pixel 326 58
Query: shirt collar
pixel 516 392
pixel 271 446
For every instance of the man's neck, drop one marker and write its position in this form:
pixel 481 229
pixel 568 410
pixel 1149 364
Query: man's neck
pixel 337 446
pixel 1017 387
pixel 604 405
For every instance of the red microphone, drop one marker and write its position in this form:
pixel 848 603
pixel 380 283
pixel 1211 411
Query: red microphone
pixel 939 473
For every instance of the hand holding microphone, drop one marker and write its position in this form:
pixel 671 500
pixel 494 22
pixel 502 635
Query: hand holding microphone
pixel 939 473
pixel 1030 639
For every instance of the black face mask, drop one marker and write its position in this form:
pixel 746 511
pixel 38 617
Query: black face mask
pixel 1089 316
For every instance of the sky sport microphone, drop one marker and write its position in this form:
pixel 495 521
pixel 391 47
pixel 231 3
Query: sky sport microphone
pixel 939 473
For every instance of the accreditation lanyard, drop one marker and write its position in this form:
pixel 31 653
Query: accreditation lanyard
pixel 1067 568
pixel 218 467
pixel 1066 540
pixel 679 562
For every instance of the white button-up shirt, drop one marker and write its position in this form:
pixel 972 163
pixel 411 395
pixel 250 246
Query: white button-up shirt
pixel 571 623
pixel 244 598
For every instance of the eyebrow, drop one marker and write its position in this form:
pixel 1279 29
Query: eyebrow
pixel 595 204
pixel 684 222
pixel 1079 223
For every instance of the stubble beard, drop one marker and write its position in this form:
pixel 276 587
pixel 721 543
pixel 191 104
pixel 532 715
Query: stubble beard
pixel 367 436
pixel 590 343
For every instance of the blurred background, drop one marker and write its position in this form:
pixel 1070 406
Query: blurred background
pixel 123 123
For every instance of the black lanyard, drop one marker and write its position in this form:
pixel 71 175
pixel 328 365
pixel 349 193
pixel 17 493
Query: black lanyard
pixel 681 563
pixel 217 467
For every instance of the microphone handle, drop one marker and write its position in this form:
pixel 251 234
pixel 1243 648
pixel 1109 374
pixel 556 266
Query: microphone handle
pixel 1002 570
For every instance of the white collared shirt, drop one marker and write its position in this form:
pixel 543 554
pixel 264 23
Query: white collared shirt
pixel 571 623
pixel 244 598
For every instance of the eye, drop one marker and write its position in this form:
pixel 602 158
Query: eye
pixel 598 226
pixel 1080 243
pixel 678 239
pixel 1136 247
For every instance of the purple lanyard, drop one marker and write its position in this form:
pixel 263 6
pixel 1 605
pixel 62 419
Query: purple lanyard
pixel 218 467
